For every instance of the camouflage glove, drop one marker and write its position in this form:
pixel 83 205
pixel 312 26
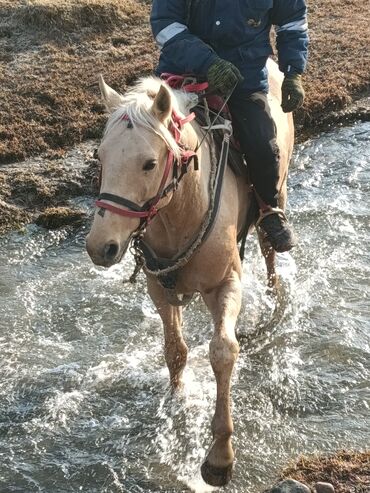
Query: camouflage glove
pixel 222 76
pixel 292 93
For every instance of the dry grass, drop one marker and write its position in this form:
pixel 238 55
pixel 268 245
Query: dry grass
pixel 348 472
pixel 55 217
pixel 73 15
pixel 339 62
pixel 12 217
pixel 52 51
pixel 48 85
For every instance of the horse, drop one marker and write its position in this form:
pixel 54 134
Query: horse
pixel 149 131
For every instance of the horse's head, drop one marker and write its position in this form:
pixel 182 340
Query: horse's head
pixel 133 156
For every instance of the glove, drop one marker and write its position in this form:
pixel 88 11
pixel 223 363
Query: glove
pixel 222 76
pixel 292 93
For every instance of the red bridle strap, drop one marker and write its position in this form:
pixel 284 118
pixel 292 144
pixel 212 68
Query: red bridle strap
pixel 124 212
pixel 176 124
pixel 179 82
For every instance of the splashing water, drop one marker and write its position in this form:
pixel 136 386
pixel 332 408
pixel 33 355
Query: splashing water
pixel 84 398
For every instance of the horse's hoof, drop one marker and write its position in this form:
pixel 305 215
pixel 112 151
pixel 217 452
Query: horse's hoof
pixel 216 476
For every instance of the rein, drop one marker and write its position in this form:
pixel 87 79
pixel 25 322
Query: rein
pixel 165 267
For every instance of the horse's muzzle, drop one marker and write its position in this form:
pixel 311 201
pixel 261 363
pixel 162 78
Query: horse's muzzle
pixel 107 254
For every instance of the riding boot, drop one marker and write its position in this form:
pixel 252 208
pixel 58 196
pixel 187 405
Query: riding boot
pixel 256 132
pixel 278 232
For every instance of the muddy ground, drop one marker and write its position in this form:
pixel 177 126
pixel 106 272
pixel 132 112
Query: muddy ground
pixel 52 50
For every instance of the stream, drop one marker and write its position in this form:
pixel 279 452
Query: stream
pixel 84 397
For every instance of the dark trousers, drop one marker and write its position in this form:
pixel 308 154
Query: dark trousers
pixel 255 129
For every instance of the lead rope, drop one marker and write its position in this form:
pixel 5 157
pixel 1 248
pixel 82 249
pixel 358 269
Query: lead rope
pixel 213 179
pixel 137 254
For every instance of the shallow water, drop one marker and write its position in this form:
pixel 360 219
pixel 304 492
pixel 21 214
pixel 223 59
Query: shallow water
pixel 84 401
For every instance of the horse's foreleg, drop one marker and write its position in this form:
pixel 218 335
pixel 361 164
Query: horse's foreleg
pixel 174 345
pixel 224 303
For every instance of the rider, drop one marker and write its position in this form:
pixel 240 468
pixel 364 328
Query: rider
pixel 228 43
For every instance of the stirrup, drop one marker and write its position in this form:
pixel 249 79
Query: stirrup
pixel 269 212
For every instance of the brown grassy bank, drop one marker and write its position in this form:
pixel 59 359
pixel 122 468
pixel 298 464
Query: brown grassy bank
pixel 52 50
pixel 51 53
pixel 348 472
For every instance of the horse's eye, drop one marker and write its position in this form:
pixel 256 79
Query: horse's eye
pixel 150 164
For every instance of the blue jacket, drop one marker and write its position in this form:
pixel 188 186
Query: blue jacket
pixel 235 30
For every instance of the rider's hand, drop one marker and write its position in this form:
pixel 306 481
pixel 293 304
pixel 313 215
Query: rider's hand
pixel 292 93
pixel 223 76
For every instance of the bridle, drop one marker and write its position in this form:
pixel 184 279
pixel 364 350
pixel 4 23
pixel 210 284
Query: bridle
pixel 166 269
pixel 146 212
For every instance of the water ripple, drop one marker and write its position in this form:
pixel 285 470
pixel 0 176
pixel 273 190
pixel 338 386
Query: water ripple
pixel 84 398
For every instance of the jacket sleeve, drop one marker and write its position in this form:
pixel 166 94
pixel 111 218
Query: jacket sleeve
pixel 179 48
pixel 290 19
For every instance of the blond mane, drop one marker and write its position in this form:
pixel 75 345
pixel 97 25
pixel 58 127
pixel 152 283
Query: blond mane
pixel 136 104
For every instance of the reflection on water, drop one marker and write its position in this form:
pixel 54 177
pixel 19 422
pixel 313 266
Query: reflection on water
pixel 84 401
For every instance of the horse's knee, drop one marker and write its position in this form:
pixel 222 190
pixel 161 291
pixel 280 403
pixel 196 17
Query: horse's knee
pixel 176 357
pixel 223 352
pixel 176 354
pixel 224 347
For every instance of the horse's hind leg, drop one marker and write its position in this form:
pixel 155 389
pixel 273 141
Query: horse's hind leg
pixel 224 303
pixel 270 255
pixel 174 345
pixel 267 251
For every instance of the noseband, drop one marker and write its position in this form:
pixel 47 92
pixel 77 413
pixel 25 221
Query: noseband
pixel 146 212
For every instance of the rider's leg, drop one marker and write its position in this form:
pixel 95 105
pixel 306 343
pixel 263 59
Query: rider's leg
pixel 256 131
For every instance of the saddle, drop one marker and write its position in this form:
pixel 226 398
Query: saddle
pixel 236 160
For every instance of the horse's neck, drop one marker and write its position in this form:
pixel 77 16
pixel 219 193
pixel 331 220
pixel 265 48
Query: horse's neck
pixel 179 221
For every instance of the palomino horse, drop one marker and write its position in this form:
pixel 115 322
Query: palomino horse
pixel 146 128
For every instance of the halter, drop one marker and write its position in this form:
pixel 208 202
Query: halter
pixel 146 212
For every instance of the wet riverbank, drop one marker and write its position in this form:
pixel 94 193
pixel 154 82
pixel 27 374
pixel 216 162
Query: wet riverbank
pixel 41 189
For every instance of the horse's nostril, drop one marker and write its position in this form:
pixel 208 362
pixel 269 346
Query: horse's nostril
pixel 111 250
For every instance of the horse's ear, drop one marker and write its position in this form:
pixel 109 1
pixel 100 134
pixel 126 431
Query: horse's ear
pixel 162 106
pixel 111 98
